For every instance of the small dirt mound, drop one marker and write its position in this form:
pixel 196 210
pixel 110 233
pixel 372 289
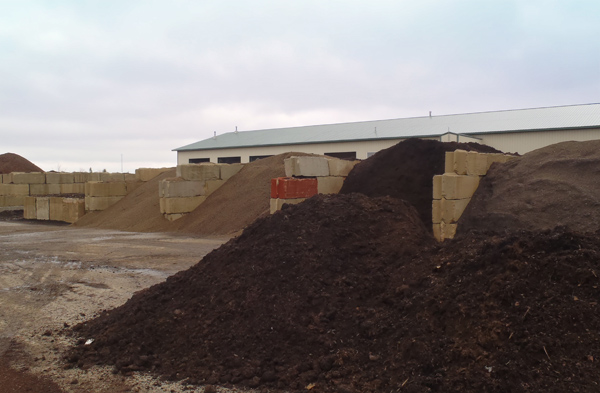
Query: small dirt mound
pixel 406 171
pixel 10 162
pixel 548 187
pixel 307 296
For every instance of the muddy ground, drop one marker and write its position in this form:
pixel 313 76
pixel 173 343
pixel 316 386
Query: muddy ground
pixel 53 276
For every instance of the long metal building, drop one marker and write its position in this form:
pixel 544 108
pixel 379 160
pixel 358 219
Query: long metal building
pixel 514 131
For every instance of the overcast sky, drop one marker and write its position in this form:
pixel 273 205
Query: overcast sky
pixel 86 82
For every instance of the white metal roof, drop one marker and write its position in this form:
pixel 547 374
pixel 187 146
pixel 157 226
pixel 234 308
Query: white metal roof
pixel 537 119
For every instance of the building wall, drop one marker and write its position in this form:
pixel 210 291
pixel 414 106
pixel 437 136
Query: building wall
pixel 509 142
pixel 524 142
pixel 362 149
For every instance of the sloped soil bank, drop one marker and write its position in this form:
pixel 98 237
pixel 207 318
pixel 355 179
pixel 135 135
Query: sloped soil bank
pixel 306 296
pixel 406 171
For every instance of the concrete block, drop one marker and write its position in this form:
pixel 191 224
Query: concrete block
pixel 29 210
pixel 56 208
pixel 458 186
pixel 437 231
pixel 44 189
pixel 306 166
pixel 211 186
pixel 112 177
pixel 73 209
pixel 173 217
pixel 180 205
pixel 329 184
pixel 81 177
pixel 130 177
pixel 94 176
pixel 444 231
pixel 96 203
pixel 228 170
pixel 14 200
pixel 436 211
pixel 59 178
pixel 14 189
pixel 449 163
pixel 460 162
pixel 340 167
pixel 452 209
pixel 277 204
pixel 203 171
pixel 105 189
pixel 28 178
pixel 146 174
pixel 74 188
pixel 437 187
pixel 42 208
pixel 496 157
pixel 476 164
pixel 178 188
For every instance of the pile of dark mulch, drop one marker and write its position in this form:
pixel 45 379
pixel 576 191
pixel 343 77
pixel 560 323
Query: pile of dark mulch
pixel 310 295
pixel 406 171
pixel 10 162
pixel 555 185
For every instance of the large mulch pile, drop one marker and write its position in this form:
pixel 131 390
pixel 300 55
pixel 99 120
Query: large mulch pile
pixel 11 162
pixel 303 296
pixel 406 171
pixel 347 293
pixel 554 185
pixel 227 211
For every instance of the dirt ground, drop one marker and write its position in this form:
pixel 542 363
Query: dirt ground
pixel 53 276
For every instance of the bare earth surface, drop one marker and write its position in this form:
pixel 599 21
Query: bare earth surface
pixel 54 276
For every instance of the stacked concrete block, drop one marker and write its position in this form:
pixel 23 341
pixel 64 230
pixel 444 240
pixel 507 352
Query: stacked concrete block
pixel 42 208
pixel 340 167
pixel 203 171
pixel 306 166
pixel 228 170
pixel 291 190
pixel 53 208
pixel 29 210
pixel 329 184
pixel 453 190
pixel 28 178
pixel 146 174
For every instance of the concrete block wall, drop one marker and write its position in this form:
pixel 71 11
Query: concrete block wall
pixel 307 176
pixel 53 208
pixel 194 182
pixel 453 190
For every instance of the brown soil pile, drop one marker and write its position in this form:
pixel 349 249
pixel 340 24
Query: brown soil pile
pixel 10 162
pixel 406 171
pixel 13 381
pixel 555 185
pixel 227 211
pixel 139 211
pixel 308 295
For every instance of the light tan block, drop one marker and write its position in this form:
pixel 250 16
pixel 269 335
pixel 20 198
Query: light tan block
pixel 94 176
pixel 14 189
pixel 112 177
pixel 307 166
pixel 28 178
pixel 146 174
pixel 14 200
pixel 340 167
pixel 277 204
pixel 56 208
pixel 105 189
pixel 449 163
pixel 173 217
pixel 180 205
pixel 476 163
pixel 96 203
pixel 496 157
pixel 73 209
pixel 203 171
pixel 179 188
pixel 130 177
pixel 436 211
pixel 42 208
pixel 437 232
pixel 444 231
pixel 228 170
pixel 81 177
pixel 458 186
pixel 59 178
pixel 74 188
pixel 452 209
pixel 44 189
pixel 29 210
pixel 460 162
pixel 7 178
pixel 211 186
pixel 329 184
pixel 437 187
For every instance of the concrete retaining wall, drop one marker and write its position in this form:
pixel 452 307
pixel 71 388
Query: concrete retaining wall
pixel 53 208
pixel 453 190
